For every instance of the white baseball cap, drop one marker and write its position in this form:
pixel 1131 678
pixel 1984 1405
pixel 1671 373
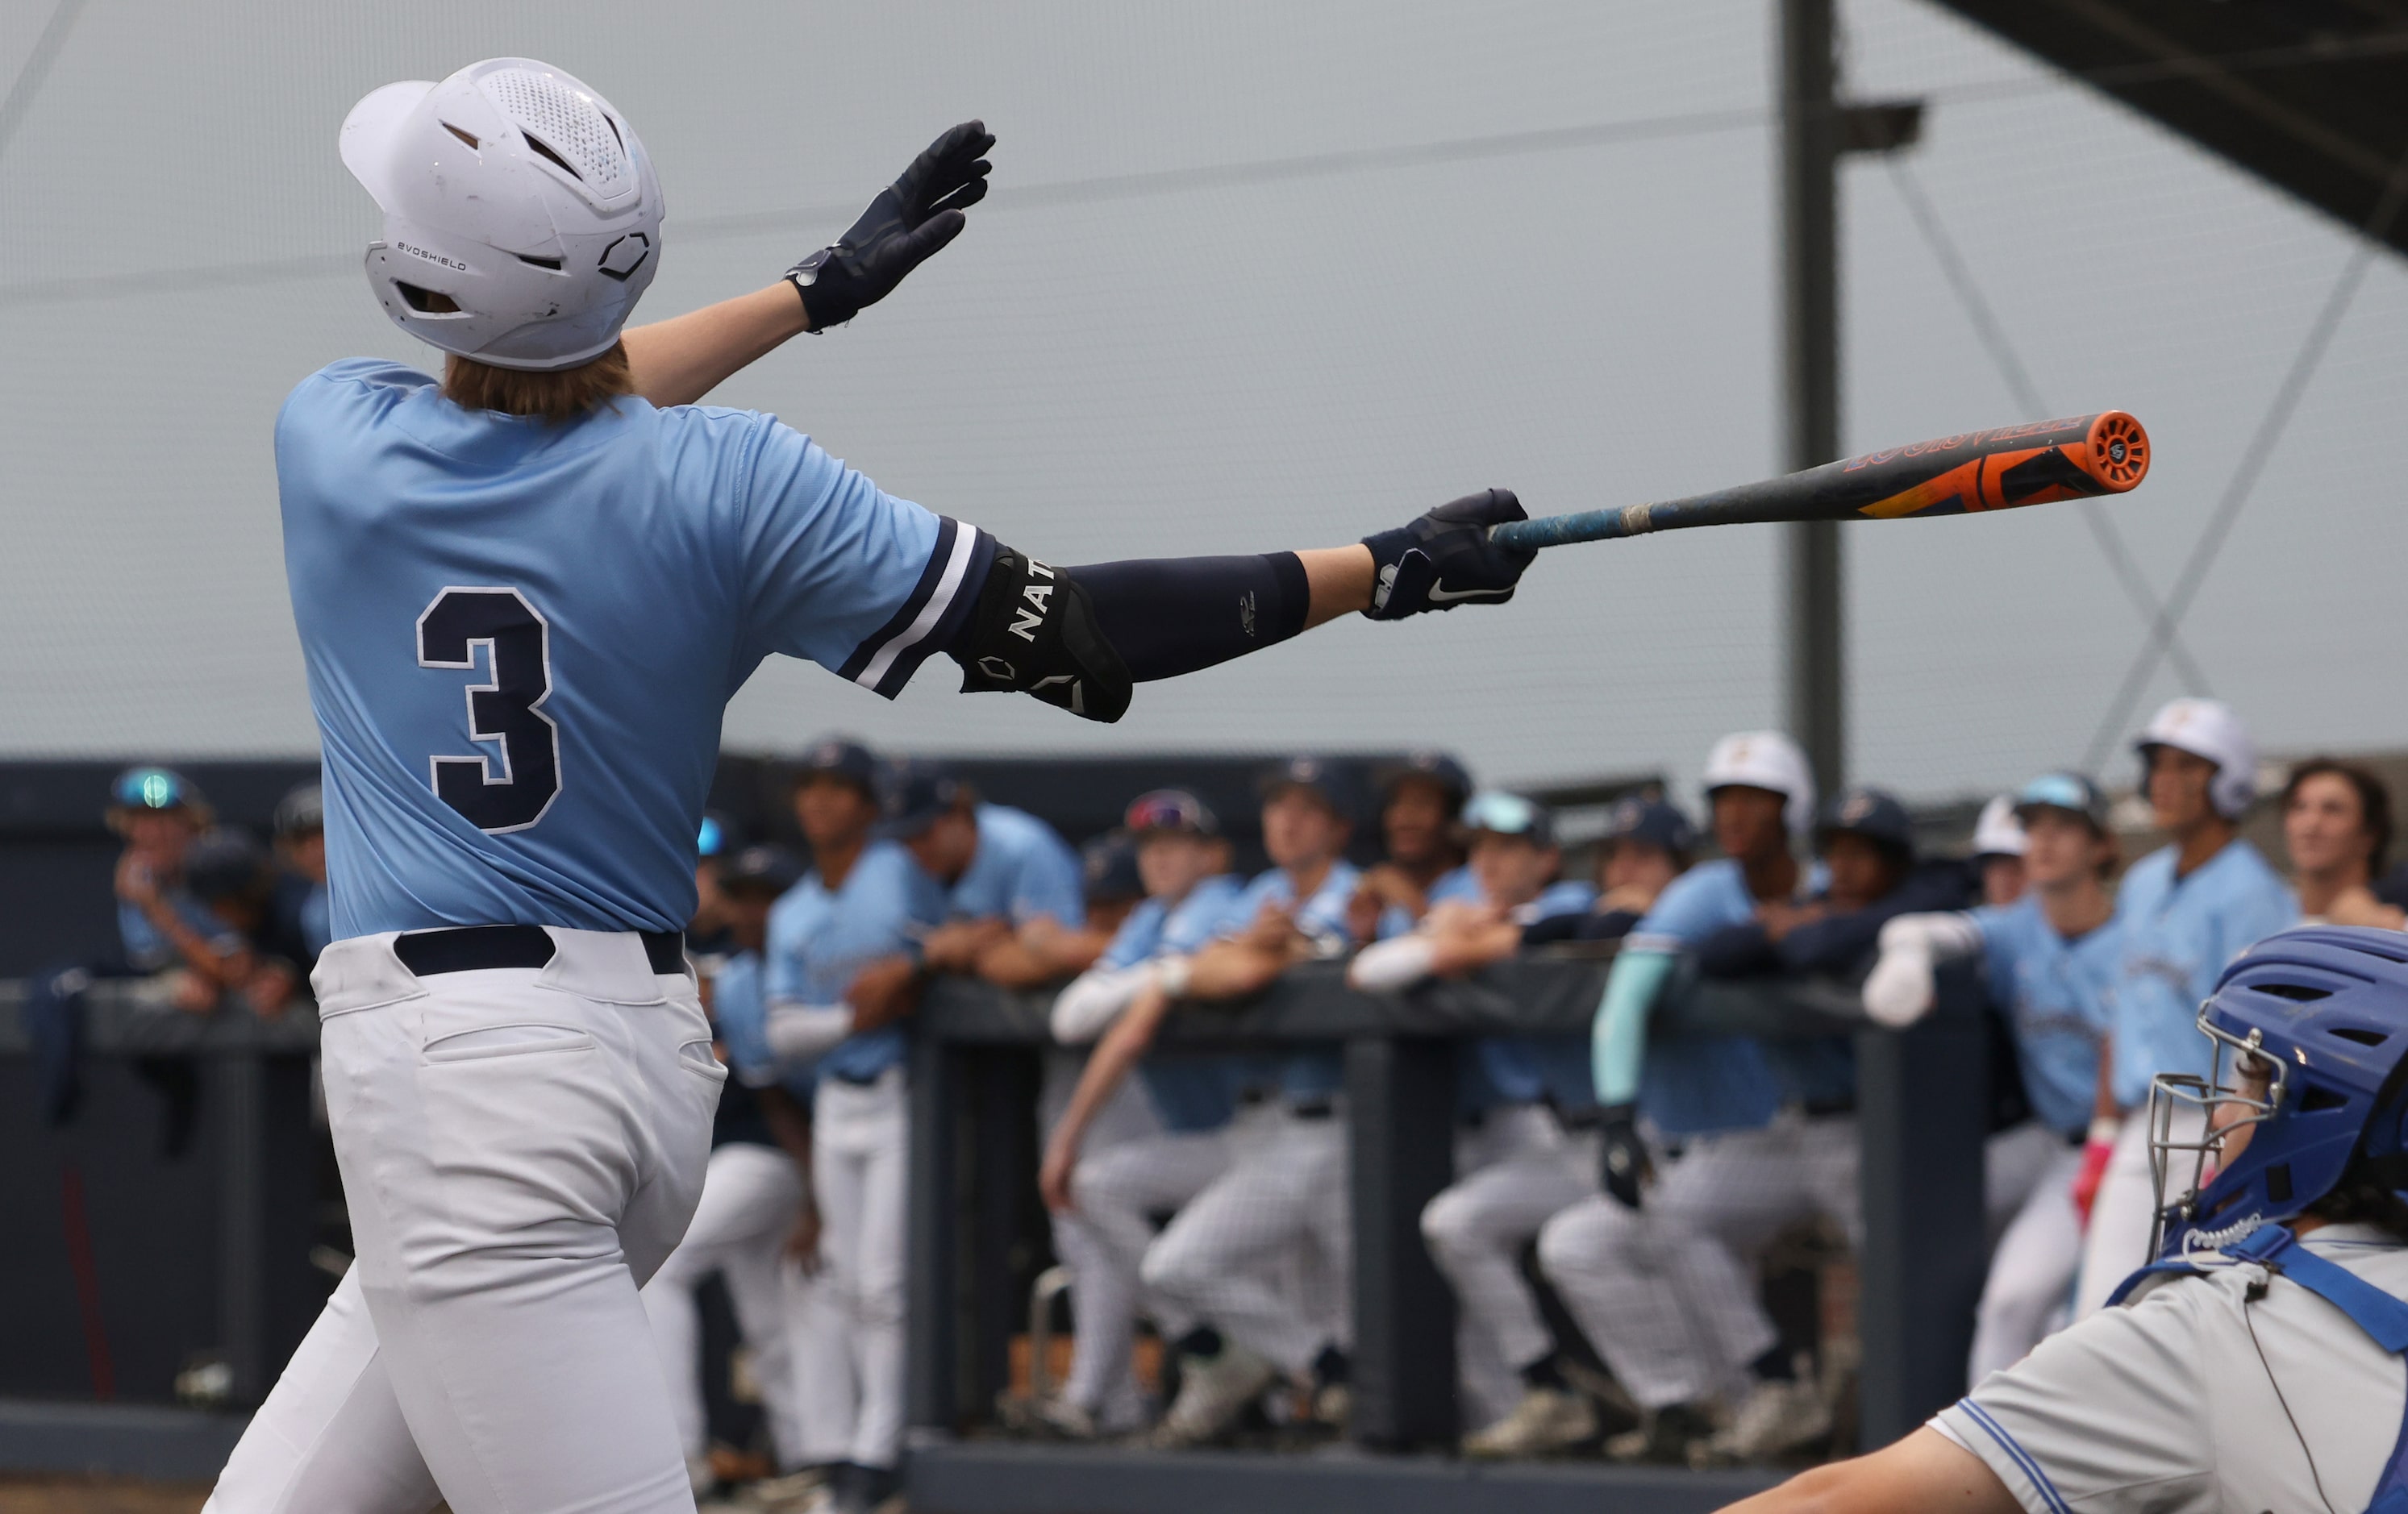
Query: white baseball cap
pixel 1997 832
pixel 522 216
pixel 1765 760
pixel 2208 728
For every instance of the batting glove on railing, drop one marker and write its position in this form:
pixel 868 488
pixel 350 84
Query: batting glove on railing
pixel 1445 558
pixel 1622 1156
pixel 904 227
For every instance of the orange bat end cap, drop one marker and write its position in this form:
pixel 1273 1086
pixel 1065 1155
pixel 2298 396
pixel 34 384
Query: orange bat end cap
pixel 2118 451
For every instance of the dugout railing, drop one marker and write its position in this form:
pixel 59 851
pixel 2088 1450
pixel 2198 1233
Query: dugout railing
pixel 1924 1105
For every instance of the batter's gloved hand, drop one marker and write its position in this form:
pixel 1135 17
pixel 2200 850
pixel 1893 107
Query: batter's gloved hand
pixel 1622 1156
pixel 1445 558
pixel 903 228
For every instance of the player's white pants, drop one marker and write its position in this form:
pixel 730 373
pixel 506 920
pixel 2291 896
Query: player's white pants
pixel 2125 1211
pixel 750 1196
pixel 860 1170
pixel 520 1151
pixel 1103 1241
pixel 1519 1170
pixel 2030 1290
pixel 1263 1252
pixel 1667 1292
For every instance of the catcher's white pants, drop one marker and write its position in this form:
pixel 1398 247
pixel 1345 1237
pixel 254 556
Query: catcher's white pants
pixel 1264 1251
pixel 2029 1176
pixel 1667 1292
pixel 521 1150
pixel 1519 1169
pixel 751 1194
pixel 2125 1211
pixel 860 1173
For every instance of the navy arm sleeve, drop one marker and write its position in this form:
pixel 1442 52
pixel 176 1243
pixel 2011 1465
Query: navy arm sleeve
pixel 1174 615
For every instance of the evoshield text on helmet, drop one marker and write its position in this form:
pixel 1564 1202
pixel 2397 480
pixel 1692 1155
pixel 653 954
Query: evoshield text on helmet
pixel 522 216
pixel 2311 1035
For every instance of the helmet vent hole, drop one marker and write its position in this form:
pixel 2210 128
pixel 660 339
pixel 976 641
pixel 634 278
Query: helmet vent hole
pixel 2278 1183
pixel 552 264
pixel 544 150
pixel 428 301
pixel 2316 1099
pixel 2298 993
pixel 606 121
pixel 461 135
pixel 2363 1037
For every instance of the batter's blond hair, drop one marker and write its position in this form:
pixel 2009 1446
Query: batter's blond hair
pixel 562 395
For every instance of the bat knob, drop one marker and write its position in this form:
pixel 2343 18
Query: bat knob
pixel 2119 450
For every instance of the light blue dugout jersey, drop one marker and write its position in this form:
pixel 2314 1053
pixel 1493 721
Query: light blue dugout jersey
pixel 1020 870
pixel 740 1015
pixel 1190 1091
pixel 147 949
pixel 521 635
pixel 819 940
pixel 1531 1069
pixel 2178 935
pixel 2054 993
pixel 1316 1074
pixel 1456 883
pixel 1692 1085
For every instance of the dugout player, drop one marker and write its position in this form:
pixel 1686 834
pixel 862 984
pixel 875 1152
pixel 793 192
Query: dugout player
pixel 1998 859
pixel 513 1047
pixel 2257 1366
pixel 2049 961
pixel 2337 828
pixel 1517 1162
pixel 2186 909
pixel 1013 894
pixel 1421 800
pixel 1652 1270
pixel 1150 1149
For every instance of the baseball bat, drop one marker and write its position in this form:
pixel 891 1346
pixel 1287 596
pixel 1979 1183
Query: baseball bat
pixel 2003 468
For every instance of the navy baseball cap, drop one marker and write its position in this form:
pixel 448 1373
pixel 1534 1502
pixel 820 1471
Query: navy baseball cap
pixel 1871 813
pixel 1313 774
pixel 151 786
pixel 224 863
pixel 913 795
pixel 840 757
pixel 1108 869
pixel 2069 791
pixel 1500 813
pixel 301 812
pixel 1432 767
pixel 1170 809
pixel 1651 820
pixel 767 866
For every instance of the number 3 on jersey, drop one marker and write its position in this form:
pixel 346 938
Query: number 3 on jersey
pixel 508 710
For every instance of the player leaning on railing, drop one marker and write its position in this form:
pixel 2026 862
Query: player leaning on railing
pixel 524 596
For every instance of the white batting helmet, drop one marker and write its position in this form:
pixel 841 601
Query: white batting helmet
pixel 522 216
pixel 1997 832
pixel 1765 760
pixel 2208 728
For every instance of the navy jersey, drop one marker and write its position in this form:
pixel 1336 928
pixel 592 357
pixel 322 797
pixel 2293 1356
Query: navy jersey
pixel 521 635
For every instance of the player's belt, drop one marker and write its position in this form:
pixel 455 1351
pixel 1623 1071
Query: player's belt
pixel 468 949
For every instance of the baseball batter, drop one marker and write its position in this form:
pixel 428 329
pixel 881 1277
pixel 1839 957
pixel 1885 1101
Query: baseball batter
pixel 520 727
pixel 2258 1365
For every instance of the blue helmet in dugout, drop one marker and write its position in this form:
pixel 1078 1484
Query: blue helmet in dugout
pixel 2311 1035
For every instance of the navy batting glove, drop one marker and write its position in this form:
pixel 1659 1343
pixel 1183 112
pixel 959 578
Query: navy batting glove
pixel 1622 1155
pixel 904 227
pixel 1445 558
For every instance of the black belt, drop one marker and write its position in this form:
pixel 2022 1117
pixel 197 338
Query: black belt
pixel 1827 1108
pixel 468 949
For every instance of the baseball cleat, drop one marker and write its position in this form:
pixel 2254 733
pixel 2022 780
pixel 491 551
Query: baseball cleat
pixel 1774 1419
pixel 1213 1390
pixel 1547 1421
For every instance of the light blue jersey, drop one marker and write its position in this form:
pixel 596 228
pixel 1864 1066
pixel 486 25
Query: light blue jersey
pixel 1692 1085
pixel 2178 935
pixel 1190 1091
pixel 819 940
pixel 1531 1069
pixel 1021 870
pixel 2054 993
pixel 740 1014
pixel 1305 1076
pixel 520 636
pixel 147 947
pixel 1457 884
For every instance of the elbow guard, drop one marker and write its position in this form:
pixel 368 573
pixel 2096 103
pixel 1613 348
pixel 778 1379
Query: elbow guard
pixel 1034 631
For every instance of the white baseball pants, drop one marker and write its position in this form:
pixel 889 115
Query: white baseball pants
pixel 751 1194
pixel 1519 1170
pixel 521 1150
pixel 1264 1251
pixel 2029 1289
pixel 2125 1211
pixel 1667 1292
pixel 861 1172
